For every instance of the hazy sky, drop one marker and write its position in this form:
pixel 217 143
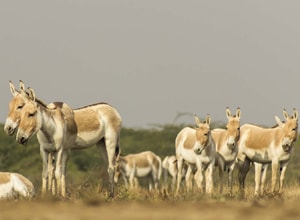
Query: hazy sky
pixel 155 59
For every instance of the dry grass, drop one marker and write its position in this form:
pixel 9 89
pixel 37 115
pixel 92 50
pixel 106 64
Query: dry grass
pixel 91 202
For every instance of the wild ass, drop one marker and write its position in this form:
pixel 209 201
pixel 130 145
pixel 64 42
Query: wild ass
pixel 97 124
pixel 169 167
pixel 13 120
pixel 265 146
pixel 15 185
pixel 55 128
pixel 133 166
pixel 226 146
pixel 197 148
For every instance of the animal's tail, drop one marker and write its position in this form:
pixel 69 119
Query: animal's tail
pixel 118 148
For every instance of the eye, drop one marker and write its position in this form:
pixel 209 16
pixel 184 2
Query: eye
pixel 206 134
pixel 30 115
pixel 20 107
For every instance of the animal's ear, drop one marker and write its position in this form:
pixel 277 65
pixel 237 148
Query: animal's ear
pixel 207 120
pixel 285 115
pixel 22 86
pixel 31 94
pixel 228 113
pixel 295 114
pixel 24 94
pixel 238 113
pixel 197 120
pixel 277 119
pixel 12 88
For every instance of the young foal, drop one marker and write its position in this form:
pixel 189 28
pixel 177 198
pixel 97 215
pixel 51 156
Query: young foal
pixel 144 164
pixel 56 131
pixel 15 185
pixel 197 148
pixel 226 146
pixel 267 146
pixel 97 124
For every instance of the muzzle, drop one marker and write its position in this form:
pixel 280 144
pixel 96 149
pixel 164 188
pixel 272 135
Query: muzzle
pixel 22 140
pixel 287 147
pixel 198 149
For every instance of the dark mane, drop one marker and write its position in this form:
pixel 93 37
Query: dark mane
pixel 40 102
pixel 99 103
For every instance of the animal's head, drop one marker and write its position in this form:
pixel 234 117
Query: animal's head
pixel 30 117
pixel 233 128
pixel 15 106
pixel 290 129
pixel 202 134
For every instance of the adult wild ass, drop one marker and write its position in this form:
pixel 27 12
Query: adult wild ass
pixel 265 146
pixel 97 124
pixel 133 166
pixel 226 146
pixel 197 148
pixel 13 120
pixel 55 128
pixel 15 185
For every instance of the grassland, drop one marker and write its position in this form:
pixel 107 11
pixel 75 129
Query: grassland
pixel 87 187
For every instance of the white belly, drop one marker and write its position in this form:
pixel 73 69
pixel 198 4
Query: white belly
pixel 142 172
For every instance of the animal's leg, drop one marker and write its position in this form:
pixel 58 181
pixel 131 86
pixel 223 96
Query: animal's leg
pixel 188 179
pixel 274 175
pixel 173 182
pixel 179 173
pixel 125 180
pixel 112 145
pixel 209 177
pixel 136 183
pixel 132 181
pixel 155 178
pixel 44 156
pixel 221 166
pixel 50 172
pixel 263 179
pixel 230 177
pixel 58 172
pixel 282 175
pixel 199 176
pixel 165 174
pixel 151 182
pixel 51 179
pixel 244 167
pixel 65 157
pixel 258 168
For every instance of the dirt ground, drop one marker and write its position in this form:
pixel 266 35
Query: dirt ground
pixel 48 210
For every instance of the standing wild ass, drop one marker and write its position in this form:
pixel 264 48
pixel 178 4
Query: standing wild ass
pixel 265 146
pixel 15 185
pixel 133 166
pixel 13 120
pixel 197 148
pixel 56 132
pixel 226 146
pixel 98 124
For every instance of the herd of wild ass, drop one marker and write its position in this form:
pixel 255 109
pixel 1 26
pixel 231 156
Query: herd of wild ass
pixel 198 151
